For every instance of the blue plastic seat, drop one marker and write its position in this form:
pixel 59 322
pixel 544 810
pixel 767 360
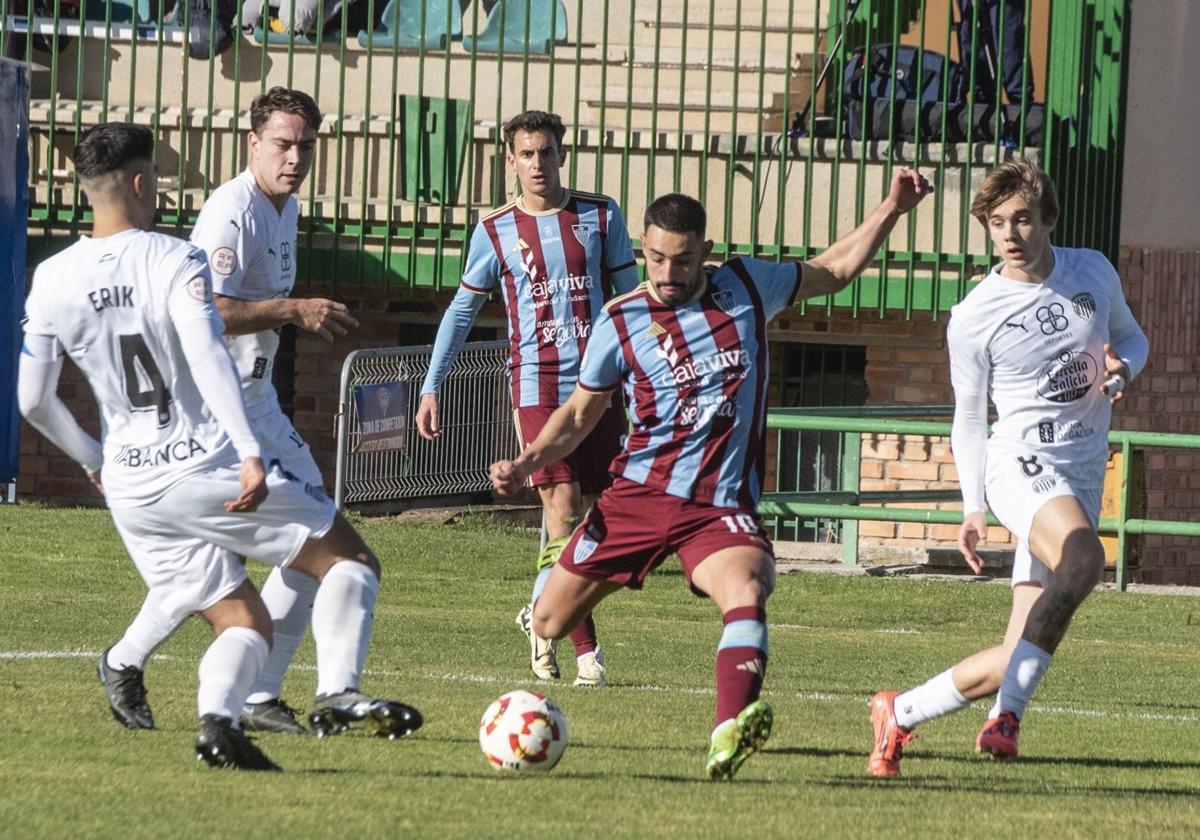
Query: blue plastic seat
pixel 547 26
pixel 400 25
pixel 123 11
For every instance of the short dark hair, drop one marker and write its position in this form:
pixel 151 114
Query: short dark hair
pixel 677 213
pixel 112 147
pixel 1016 177
pixel 535 122
pixel 287 100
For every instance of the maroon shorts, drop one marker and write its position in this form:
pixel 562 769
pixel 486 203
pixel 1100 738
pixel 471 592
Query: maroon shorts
pixel 588 464
pixel 632 528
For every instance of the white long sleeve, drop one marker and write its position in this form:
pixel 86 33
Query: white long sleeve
pixel 968 441
pixel 216 376
pixel 37 397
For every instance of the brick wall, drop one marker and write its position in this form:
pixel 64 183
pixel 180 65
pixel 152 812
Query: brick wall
pixel 906 364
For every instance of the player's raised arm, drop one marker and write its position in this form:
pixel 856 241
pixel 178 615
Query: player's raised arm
pixel 565 429
pixel 846 258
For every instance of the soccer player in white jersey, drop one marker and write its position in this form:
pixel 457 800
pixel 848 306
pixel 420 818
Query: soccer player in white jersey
pixel 248 229
pixel 689 347
pixel 1048 333
pixel 179 465
pixel 556 255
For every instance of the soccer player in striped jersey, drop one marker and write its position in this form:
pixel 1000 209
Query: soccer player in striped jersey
pixel 555 255
pixel 689 349
pixel 1049 335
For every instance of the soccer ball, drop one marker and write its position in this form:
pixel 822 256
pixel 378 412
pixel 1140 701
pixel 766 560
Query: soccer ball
pixel 522 731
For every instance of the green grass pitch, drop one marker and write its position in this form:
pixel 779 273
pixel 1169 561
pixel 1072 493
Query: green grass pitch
pixel 1109 746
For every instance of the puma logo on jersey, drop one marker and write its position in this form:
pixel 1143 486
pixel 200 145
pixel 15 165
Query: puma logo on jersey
pixel 1021 324
pixel 236 226
pixel 107 298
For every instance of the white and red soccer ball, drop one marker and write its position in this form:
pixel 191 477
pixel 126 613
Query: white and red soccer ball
pixel 522 731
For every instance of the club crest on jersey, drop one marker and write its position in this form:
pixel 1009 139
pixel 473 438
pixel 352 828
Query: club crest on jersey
pixel 223 261
pixel 1084 305
pixel 582 232
pixel 584 549
pixel 724 300
pixel 200 288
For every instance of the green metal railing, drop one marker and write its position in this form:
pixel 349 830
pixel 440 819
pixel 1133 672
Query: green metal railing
pixel 845 504
pixel 717 99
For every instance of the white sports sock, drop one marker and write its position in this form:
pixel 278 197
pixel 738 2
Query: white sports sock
pixel 934 698
pixel 228 670
pixel 150 628
pixel 539 583
pixel 341 620
pixel 289 597
pixel 1025 669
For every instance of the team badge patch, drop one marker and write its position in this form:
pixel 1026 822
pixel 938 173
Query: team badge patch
pixel 1044 484
pixel 582 232
pixel 724 300
pixel 584 549
pixel 1084 305
pixel 223 261
pixel 200 288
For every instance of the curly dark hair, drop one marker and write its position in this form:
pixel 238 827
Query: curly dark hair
pixel 534 122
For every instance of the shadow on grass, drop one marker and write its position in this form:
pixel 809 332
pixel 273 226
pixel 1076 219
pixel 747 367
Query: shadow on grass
pixel 997 787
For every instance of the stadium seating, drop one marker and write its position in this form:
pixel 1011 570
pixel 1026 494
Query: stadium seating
pixel 401 25
pixel 123 11
pixel 547 25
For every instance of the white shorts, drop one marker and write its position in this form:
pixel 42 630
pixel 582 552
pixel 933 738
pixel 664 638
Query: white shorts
pixel 1018 484
pixel 280 441
pixel 188 548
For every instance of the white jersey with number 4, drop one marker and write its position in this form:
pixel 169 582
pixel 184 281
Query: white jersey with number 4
pixel 1038 348
pixel 113 304
pixel 251 248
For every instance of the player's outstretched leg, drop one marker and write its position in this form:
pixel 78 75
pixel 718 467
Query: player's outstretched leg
pixel 126 690
pixel 288 595
pixel 342 621
pixel 735 740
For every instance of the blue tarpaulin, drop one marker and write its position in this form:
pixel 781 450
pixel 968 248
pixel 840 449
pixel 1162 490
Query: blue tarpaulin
pixel 14 198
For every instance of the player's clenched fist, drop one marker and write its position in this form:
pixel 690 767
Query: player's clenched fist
pixel 508 477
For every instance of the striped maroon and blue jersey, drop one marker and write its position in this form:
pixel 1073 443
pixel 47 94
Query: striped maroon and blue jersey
pixel 696 379
pixel 555 270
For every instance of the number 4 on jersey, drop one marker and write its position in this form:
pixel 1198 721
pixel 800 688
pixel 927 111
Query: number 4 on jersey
pixel 140 370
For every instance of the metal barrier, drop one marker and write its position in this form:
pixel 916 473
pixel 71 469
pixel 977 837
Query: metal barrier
pixel 476 422
pixel 720 99
pixel 827 506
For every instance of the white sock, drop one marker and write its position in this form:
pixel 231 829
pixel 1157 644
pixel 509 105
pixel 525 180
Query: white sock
pixel 1025 669
pixel 289 597
pixel 341 620
pixel 539 583
pixel 150 628
pixel 228 670
pixel 931 700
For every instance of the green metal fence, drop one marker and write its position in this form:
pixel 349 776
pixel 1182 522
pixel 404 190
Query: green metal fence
pixel 845 504
pixel 723 100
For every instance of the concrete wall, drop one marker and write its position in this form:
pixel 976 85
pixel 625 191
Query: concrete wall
pixel 1160 202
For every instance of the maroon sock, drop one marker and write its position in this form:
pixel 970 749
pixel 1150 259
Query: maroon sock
pixel 741 660
pixel 584 636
